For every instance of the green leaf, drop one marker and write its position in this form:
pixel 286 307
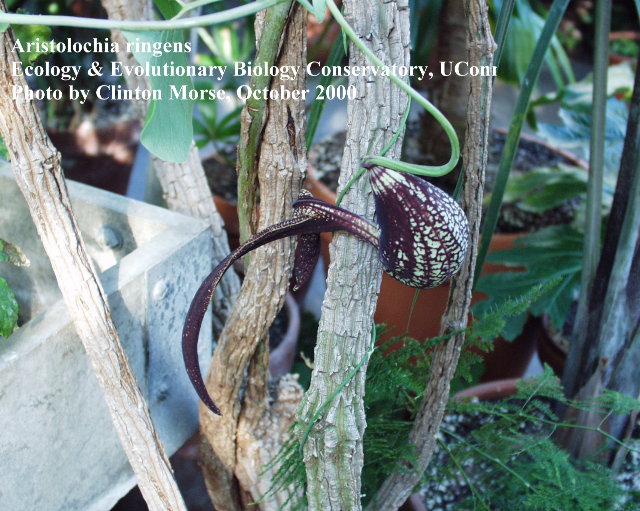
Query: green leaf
pixel 31 33
pixel 507 158
pixel 553 195
pixel 575 132
pixel 4 152
pixel 553 254
pixel 546 188
pixel 525 27
pixel 168 8
pixel 11 254
pixel 168 128
pixel 619 80
pixel 8 310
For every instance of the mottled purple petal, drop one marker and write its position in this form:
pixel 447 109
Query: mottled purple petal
pixel 424 232
pixel 305 260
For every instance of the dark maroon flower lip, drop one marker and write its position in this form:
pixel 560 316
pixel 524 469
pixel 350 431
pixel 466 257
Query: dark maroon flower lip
pixel 311 217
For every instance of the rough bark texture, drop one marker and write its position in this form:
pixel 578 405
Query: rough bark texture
pixel 253 118
pixel 237 445
pixel 398 486
pixel 184 185
pixel 36 165
pixel 333 452
pixel 605 350
pixel 449 93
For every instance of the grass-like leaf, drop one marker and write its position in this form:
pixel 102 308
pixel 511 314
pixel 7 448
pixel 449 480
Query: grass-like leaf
pixel 508 154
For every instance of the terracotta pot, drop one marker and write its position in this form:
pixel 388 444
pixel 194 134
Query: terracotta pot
pixel 616 58
pixel 229 212
pixel 99 156
pixel 490 391
pixel 550 347
pixel 507 360
pixel 282 357
pixel 321 37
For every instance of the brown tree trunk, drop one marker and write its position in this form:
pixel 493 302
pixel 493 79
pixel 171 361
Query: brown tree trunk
pixel 605 350
pixel 395 490
pixel 36 165
pixel 333 452
pixel 237 445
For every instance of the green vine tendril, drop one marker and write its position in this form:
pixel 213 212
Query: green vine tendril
pixel 393 140
pixel 421 170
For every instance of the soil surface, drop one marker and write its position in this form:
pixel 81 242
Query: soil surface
pixel 326 155
pixel 325 158
pixel 445 493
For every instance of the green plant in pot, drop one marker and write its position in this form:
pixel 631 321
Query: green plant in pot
pixel 604 347
pixel 544 193
pixel 95 135
pixel 331 418
pixel 9 308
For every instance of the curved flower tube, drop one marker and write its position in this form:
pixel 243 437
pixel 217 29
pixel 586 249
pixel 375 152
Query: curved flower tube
pixel 311 217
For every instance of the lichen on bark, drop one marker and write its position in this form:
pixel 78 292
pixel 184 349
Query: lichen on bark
pixel 237 446
pixel 333 451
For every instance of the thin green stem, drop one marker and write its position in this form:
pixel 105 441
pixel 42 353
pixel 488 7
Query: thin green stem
pixel 502 24
pixel 488 456
pixel 556 424
pixel 351 182
pixel 511 144
pixel 208 41
pixel 586 428
pixel 249 145
pixel 384 151
pixel 414 302
pixel 442 120
pixel 173 24
pixel 593 219
pixel 313 120
pixel 463 473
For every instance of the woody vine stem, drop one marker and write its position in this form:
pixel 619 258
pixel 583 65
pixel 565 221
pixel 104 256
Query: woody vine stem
pixel 178 23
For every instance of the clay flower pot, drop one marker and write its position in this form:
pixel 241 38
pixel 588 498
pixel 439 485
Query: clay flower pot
pixel 507 360
pixel 490 391
pixel 282 356
pixel 100 156
pixel 229 212
pixel 551 347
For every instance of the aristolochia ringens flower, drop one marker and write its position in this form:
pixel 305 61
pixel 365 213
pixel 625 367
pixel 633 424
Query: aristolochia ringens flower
pixel 422 240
